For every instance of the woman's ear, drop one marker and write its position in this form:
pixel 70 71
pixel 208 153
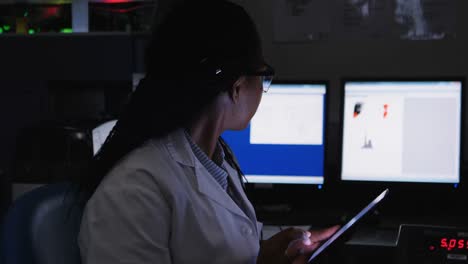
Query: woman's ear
pixel 234 92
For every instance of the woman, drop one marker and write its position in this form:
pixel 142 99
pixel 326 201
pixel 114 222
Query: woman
pixel 172 191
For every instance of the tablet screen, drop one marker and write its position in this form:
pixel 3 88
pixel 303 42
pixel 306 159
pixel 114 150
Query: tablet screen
pixel 348 225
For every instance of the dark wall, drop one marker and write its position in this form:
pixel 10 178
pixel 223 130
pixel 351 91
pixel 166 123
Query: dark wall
pixel 67 57
pixel 31 67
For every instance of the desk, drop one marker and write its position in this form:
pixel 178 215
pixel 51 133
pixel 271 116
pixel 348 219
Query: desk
pixel 370 245
pixel 366 245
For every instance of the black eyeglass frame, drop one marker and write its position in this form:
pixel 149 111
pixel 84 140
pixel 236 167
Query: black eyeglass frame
pixel 267 76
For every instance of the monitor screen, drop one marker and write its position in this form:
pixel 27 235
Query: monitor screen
pixel 284 142
pixel 402 131
pixel 100 134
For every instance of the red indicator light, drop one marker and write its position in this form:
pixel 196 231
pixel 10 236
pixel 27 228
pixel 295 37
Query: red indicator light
pixel 431 248
pixel 51 11
pixel 453 243
pixel 460 243
pixel 115 1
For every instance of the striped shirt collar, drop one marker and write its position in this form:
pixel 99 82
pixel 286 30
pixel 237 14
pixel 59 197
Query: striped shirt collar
pixel 213 166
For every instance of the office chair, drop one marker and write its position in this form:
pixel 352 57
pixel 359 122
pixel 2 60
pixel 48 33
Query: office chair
pixel 42 227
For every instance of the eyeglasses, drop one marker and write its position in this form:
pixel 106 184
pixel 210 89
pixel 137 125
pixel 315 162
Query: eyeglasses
pixel 267 75
pixel 267 80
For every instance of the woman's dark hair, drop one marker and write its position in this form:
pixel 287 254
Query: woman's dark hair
pixel 198 51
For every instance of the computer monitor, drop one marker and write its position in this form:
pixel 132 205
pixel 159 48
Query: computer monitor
pixel 284 142
pixel 100 134
pixel 402 131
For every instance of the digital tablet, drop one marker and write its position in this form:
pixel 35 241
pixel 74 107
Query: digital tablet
pixel 348 225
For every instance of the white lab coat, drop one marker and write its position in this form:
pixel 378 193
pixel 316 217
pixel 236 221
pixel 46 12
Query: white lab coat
pixel 160 205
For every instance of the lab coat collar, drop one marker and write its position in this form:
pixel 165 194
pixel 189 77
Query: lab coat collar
pixel 238 189
pixel 179 149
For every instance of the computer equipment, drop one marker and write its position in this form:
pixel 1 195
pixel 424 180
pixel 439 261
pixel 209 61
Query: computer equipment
pixel 87 100
pixel 50 151
pixel 121 16
pixel 100 134
pixel 402 131
pixel 432 244
pixel 285 140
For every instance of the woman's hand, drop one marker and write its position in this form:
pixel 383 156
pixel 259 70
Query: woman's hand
pixel 299 252
pixel 292 245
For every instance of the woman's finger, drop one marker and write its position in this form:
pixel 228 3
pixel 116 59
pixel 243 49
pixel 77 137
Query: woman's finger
pixel 300 247
pixel 323 234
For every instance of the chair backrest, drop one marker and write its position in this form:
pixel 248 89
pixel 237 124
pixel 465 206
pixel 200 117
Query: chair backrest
pixel 42 227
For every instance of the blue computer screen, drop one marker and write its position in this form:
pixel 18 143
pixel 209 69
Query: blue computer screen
pixel 284 142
